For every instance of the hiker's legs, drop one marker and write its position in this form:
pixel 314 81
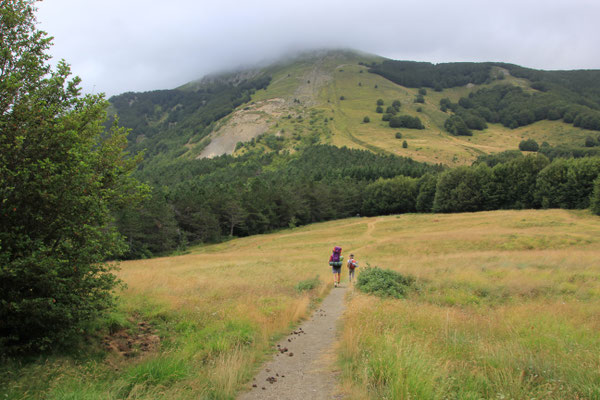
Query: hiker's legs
pixel 336 276
pixel 350 275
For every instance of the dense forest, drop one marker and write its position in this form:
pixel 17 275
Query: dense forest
pixel 211 199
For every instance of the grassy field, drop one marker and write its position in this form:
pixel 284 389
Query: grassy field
pixel 506 305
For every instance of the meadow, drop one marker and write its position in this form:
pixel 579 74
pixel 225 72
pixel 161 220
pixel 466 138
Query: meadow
pixel 506 304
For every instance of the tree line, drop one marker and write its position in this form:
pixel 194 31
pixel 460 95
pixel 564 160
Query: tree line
pixel 513 107
pixel 257 193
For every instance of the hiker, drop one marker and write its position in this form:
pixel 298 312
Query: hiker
pixel 335 260
pixel 352 265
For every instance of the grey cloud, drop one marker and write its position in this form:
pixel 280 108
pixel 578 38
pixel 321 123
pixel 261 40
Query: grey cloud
pixel 118 46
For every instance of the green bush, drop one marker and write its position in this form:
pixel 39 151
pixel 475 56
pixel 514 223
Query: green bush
pixel 529 145
pixel 366 120
pixel 307 284
pixel 398 135
pixel 384 282
pixel 380 102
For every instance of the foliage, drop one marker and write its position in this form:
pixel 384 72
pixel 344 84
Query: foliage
pixel 308 284
pixel 390 196
pixel 206 200
pixel 366 119
pixel 426 192
pixel 61 178
pixel 422 74
pixel 456 126
pixel 463 189
pixel 398 135
pixel 567 183
pixel 406 121
pixel 529 145
pixel 595 199
pixel 384 282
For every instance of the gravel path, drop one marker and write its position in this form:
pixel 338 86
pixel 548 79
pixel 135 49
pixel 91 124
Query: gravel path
pixel 303 366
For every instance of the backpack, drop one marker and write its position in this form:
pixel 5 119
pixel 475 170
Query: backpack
pixel 352 263
pixel 337 251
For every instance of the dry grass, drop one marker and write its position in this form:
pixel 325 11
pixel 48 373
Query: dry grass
pixel 507 306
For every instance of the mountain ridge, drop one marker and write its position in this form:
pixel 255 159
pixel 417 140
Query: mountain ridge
pixel 273 104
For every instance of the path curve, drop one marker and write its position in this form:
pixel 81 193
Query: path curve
pixel 303 366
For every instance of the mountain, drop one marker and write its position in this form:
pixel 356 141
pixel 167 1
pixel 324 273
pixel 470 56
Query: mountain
pixel 326 97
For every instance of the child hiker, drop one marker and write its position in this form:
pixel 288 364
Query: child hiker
pixel 352 265
pixel 335 260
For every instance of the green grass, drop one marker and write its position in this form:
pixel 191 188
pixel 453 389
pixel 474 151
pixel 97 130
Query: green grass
pixel 345 125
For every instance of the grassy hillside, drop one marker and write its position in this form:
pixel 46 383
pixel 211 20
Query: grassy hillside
pixel 361 90
pixel 301 106
pixel 506 306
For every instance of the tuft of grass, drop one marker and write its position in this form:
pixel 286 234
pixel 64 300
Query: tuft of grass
pixel 308 284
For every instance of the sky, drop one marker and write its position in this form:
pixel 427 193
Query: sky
pixel 117 46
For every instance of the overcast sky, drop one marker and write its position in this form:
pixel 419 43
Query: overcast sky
pixel 137 45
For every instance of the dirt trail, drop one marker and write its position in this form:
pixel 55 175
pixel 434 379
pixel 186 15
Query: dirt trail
pixel 303 367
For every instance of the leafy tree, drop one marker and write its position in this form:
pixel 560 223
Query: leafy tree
pixel 404 144
pixel 379 110
pixel 426 189
pixel 390 196
pixel 61 177
pixel 590 141
pixel 463 189
pixel 456 126
pixel 366 120
pixel 406 121
pixel 397 104
pixel 398 135
pixel 380 102
pixel 391 110
pixel 419 99
pixel 513 182
pixel 422 91
pixel 567 183
pixel 529 145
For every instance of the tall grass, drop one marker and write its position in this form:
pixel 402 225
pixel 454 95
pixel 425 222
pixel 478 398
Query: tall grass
pixel 507 307
pixel 504 304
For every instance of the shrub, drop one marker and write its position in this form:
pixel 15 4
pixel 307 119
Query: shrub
pixel 379 110
pixel 366 120
pixel 384 282
pixel 419 99
pixel 398 135
pixel 380 102
pixel 405 144
pixel 342 98
pixel 456 126
pixel 422 91
pixel 529 145
pixel 307 284
pixel 396 104
pixel 406 121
